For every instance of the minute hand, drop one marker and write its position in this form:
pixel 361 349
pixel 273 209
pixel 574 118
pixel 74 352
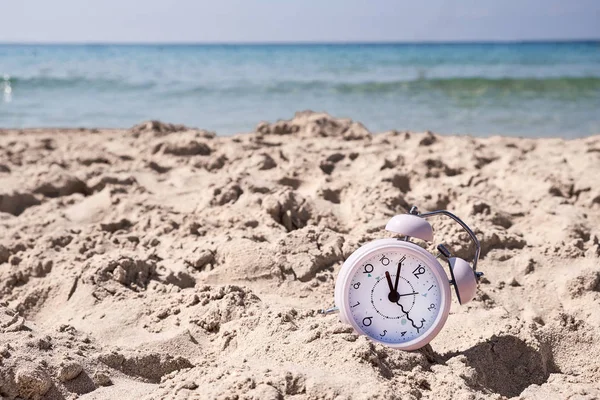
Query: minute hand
pixel 398 275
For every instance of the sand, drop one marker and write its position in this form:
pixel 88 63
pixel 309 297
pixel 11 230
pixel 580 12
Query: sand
pixel 166 262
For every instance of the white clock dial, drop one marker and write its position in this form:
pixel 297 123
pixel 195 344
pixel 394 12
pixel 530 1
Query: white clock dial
pixel 391 312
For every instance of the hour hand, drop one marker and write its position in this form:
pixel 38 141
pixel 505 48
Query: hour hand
pixel 393 296
pixel 389 280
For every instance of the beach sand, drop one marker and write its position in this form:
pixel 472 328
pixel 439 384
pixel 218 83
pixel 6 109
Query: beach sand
pixel 166 262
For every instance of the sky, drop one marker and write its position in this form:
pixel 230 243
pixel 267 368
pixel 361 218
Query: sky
pixel 226 21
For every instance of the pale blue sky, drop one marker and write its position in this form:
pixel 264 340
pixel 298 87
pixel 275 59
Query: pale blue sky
pixel 296 20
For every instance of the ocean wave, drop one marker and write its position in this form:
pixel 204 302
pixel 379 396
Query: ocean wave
pixel 477 85
pixel 78 82
pixel 561 86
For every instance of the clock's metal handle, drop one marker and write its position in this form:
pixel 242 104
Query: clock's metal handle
pixel 415 211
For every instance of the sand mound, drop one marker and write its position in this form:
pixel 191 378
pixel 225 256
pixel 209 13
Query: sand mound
pixel 166 262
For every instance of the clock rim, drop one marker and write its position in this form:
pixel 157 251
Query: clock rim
pixel 342 287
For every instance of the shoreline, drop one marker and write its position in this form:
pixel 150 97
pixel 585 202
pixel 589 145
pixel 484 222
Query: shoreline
pixel 125 130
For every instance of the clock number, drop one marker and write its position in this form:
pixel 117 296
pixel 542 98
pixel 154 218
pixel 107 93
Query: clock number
pixel 418 271
pixel 357 303
pixel 385 261
pixel 368 269
pixel 430 287
pixel 419 327
pixel 431 307
pixel 356 285
pixel 383 334
pixel 403 333
pixel 367 321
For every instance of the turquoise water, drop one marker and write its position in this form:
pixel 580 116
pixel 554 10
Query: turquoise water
pixel 522 89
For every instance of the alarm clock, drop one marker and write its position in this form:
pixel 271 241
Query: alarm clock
pixel 396 292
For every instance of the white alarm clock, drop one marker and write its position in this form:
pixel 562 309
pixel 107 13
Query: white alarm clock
pixel 397 293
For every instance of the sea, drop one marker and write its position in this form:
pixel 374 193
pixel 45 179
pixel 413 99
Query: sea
pixel 531 89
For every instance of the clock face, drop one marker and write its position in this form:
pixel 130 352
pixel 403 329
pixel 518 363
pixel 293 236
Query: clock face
pixel 394 296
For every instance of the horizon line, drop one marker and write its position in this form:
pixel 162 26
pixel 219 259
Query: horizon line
pixel 299 43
